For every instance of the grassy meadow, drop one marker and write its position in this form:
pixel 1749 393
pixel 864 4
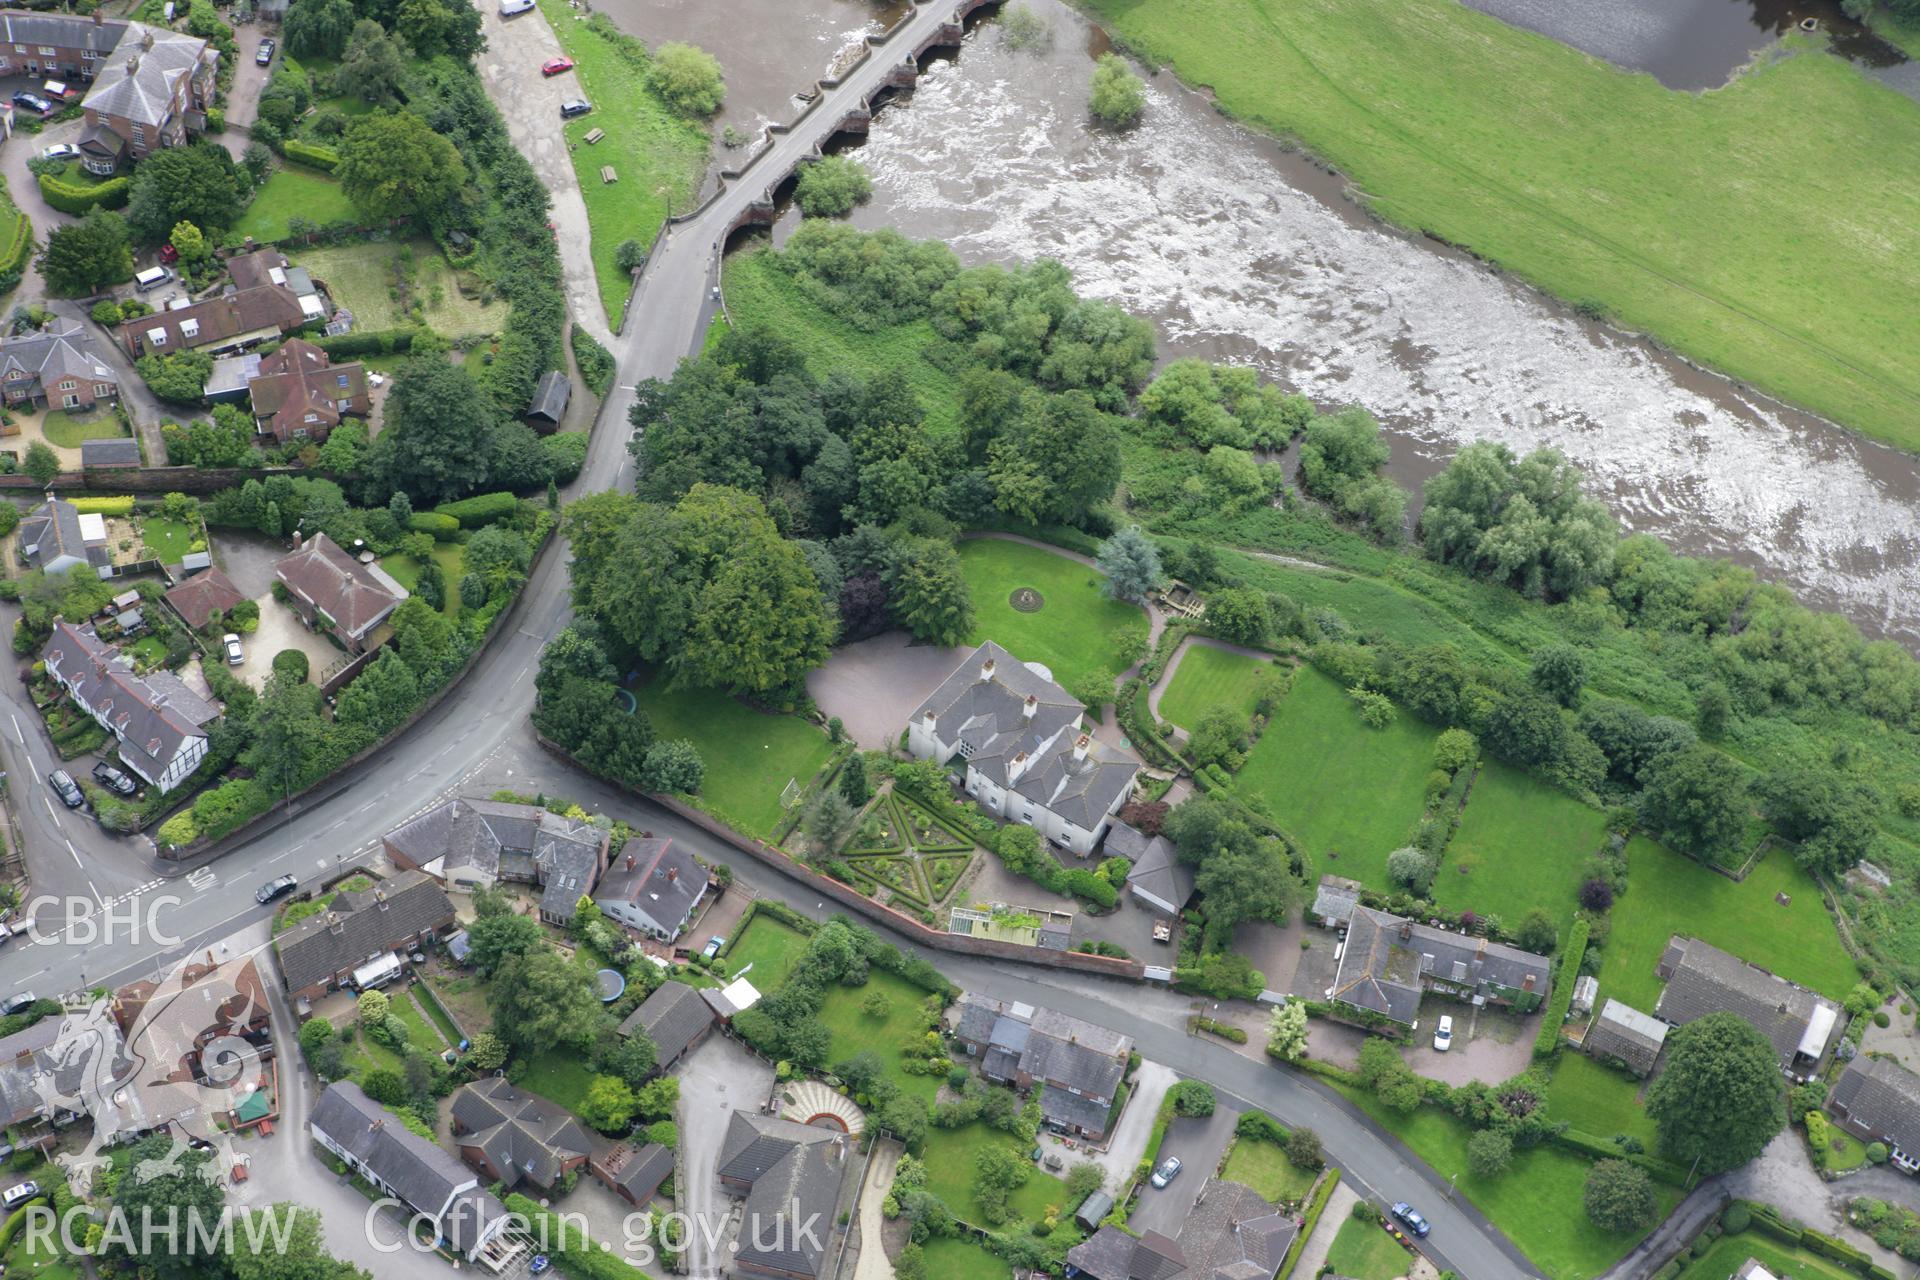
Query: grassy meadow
pixel 1207 678
pixel 1521 844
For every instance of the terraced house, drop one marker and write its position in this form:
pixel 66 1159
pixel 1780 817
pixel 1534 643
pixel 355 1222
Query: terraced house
pixel 1389 964
pixel 1078 1066
pixel 159 723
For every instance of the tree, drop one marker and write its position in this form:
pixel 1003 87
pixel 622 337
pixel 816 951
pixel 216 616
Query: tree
pixel 160 1188
pixel 1192 1098
pixel 292 1248
pixel 317 27
pixel 1720 1099
pixel 929 594
pixel 997 1171
pixel 828 822
pixel 488 1052
pixel 1538 932
pixel 434 414
pixel 1695 800
pixel 1287 1031
pixel 1219 738
pixel 393 165
pixel 189 242
pixel 1239 615
pixel 287 735
pixel 42 463
pixel 855 785
pixel 496 939
pixel 1833 819
pixel 1489 1152
pixel 876 1005
pixel 688 78
pixel 609 1104
pixel 1411 867
pixel 85 256
pixel 1454 750
pixel 1340 461
pixel 673 764
pixel 1303 1150
pixel 1524 522
pixel 1619 1197
pixel 197 184
pixel 1131 563
pixel 373 1007
pixel 433 28
pixel 372 66
pixel 629 256
pixel 1560 672
pixel 1083 1179
pixel 635 1059
pixel 831 186
pixel 1119 97
pixel 540 1000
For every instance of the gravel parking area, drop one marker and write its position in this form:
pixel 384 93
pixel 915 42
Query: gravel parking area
pixel 281 628
pixel 1488 1045
pixel 875 686
pixel 715 1079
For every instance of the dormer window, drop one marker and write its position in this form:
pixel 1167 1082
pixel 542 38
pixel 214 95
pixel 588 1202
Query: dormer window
pixel 189 328
pixel 157 337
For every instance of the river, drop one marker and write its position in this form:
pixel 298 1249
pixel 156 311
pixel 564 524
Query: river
pixel 1240 251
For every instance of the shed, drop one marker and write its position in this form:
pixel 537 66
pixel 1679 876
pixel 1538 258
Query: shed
pixel 1095 1207
pixel 550 400
pixel 460 946
pixel 1624 1033
pixel 122 452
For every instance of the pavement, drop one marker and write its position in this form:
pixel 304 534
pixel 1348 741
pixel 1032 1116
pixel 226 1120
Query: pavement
pixel 719 1077
pixel 1199 1142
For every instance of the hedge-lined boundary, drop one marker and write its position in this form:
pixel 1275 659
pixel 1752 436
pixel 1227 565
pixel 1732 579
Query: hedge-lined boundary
pixel 1315 1207
pixel 1769 1222
pixel 69 197
pixel 369 342
pixel 1547 1042
pixel 1589 1144
pixel 313 155
pixel 20 247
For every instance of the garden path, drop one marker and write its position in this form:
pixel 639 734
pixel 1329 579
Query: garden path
pixel 872 1263
pixel 1313 1254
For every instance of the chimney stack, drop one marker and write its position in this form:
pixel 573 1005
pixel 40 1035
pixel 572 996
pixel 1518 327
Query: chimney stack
pixel 1080 747
pixel 1032 705
pixel 1406 931
pixel 986 669
pixel 673 873
pixel 1526 983
pixel 630 862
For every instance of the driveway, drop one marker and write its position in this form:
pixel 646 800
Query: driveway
pixel 872 1263
pixel 243 99
pixel 717 1078
pixel 510 67
pixel 1784 1177
pixel 1488 1045
pixel 876 685
pixel 1199 1144
pixel 281 628
pixel 1129 1141
pixel 248 559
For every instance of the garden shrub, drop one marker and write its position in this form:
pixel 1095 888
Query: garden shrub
pixel 291 665
pixel 443 528
pixel 1736 1219
pixel 120 505
pixel 480 510
pixel 313 155
pixel 73 198
pixel 367 342
pixel 1547 1042
pixel 568 452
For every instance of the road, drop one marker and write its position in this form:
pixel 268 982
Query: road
pixel 481 731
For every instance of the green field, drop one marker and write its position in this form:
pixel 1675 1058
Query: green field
pixel 68 427
pixel 1537 1201
pixel 291 193
pixel 1207 678
pixel 1265 1167
pixel 1521 844
pixel 1596 1099
pixel 405 570
pixel 750 755
pixel 168 539
pixel 1728 1252
pixel 1668 894
pixel 759 291
pixel 560 1076
pixel 659 156
pixel 854 1030
pixel 1685 214
pixel 363 278
pixel 950 1163
pixel 1076 629
pixel 1364 1251
pixel 1337 785
pixel 771 948
pixel 951 1258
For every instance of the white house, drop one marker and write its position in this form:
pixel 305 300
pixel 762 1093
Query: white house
pixel 159 721
pixel 654 886
pixel 1027 754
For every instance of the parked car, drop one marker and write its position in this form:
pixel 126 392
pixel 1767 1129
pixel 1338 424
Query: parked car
pixel 277 887
pixel 509 8
pixel 59 90
pixel 60 151
pixel 63 786
pixel 1169 1170
pixel 112 778
pixel 20 1193
pixel 264 54
pixel 538 1265
pixel 231 642
pixel 713 946
pixel 6 936
pixel 16 1003
pixel 574 107
pixel 556 66
pixel 1443 1034
pixel 1162 931
pixel 1411 1216
pixel 33 102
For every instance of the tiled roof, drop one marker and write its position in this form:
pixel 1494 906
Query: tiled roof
pixel 1078 780
pixel 123 451
pixel 355 596
pixel 298 388
pixel 659 877
pixel 1073 1054
pixel 673 1017
pixel 1232 1226
pixel 52 530
pixel 1159 871
pixel 63 31
pixel 63 350
pixel 637 1170
pixel 459 833
pixel 976 710
pixel 1388 960
pixel 1702 979
pixel 420 1172
pixel 214 320
pixel 755 1143
pixel 154 717
pixel 1336 898
pixel 199 597
pixel 359 926
pixel 1884 1096
pixel 787 1225
pixel 550 397
pixel 1063 1108
pixel 1623 1032
pixel 66 1053
pixel 139 79
pixel 1112 1254
pixel 523 1135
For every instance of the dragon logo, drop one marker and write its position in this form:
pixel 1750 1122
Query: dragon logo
pixel 179 1054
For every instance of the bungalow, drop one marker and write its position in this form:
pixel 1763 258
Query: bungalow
pixel 1389 963
pixel 1027 756
pixel 358 926
pixel 675 1018
pixel 58 366
pixel 654 886
pixel 225 322
pixel 56 537
pixel 469 844
pixel 337 594
pixel 1878 1100
pixel 158 722
pixel 1231 1233
pixel 516 1137
pixel 202 596
pixel 1798 1023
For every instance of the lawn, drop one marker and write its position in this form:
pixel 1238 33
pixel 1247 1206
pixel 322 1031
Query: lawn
pixel 950 1164
pixel 771 948
pixel 148 651
pixel 951 1258
pixel 419 1031
pixel 1668 894
pixel 759 291
pixel 405 570
pixel 170 540
pixel 1265 1167
pixel 559 1076
pixel 750 755
pixel 424 994
pixel 363 278
pixel 1727 1253
pixel 1337 785
pixel 1596 1099
pixel 1076 630
pixel 659 156
pixel 853 1029
pixel 1683 214
pixel 1537 1201
pixel 291 193
pixel 1364 1251
pixel 67 428
pixel 1521 844
pixel 1207 678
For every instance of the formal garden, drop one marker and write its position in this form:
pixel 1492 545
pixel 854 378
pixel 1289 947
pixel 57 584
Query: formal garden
pixel 901 847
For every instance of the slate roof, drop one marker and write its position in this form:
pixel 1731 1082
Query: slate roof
pixel 638 1170
pixel 788 1223
pixel 356 596
pixel 123 451
pixel 138 79
pixel 550 397
pixel 420 1172
pixel 65 31
pixel 524 1136
pixel 755 1143
pixel 976 1015
pixel 459 833
pixel 1073 1110
pixel 1112 1254
pixel 673 1017
pixel 154 716
pixel 990 712
pixel 51 1055
pixel 659 877
pixel 1072 1054
pixel 1232 1230
pixel 1622 1031
pixel 1160 872
pixel 1080 788
pixel 199 597
pixel 1702 979
pixel 51 354
pixel 359 926
pixel 1389 960
pixel 1336 898
pixel 1883 1096
pixel 466 1224
pixel 52 529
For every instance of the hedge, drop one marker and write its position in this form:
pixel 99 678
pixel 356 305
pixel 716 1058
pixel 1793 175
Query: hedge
pixel 480 510
pixel 1547 1043
pixel 116 506
pixel 370 342
pixel 1768 1219
pixel 1317 1205
pixel 568 452
pixel 20 247
pixel 314 155
pixel 566 1241
pixel 1606 1149
pixel 69 197
pixel 443 528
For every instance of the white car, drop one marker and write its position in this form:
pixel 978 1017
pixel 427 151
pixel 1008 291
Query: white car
pixel 1443 1035
pixel 19 1195
pixel 61 151
pixel 234 656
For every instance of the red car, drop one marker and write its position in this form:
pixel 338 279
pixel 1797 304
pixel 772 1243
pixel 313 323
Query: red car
pixel 556 66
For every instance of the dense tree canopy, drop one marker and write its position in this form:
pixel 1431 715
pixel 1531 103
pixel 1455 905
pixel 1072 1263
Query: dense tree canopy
pixel 1832 818
pixel 84 257
pixel 1696 801
pixel 1198 403
pixel 392 165
pixel 1340 461
pixel 437 419
pixel 318 27
pixel 1519 521
pixel 1719 1099
pixel 372 66
pixel 198 184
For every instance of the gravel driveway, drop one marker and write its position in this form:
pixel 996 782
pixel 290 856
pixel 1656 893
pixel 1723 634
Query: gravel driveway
pixel 876 685
pixel 715 1079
